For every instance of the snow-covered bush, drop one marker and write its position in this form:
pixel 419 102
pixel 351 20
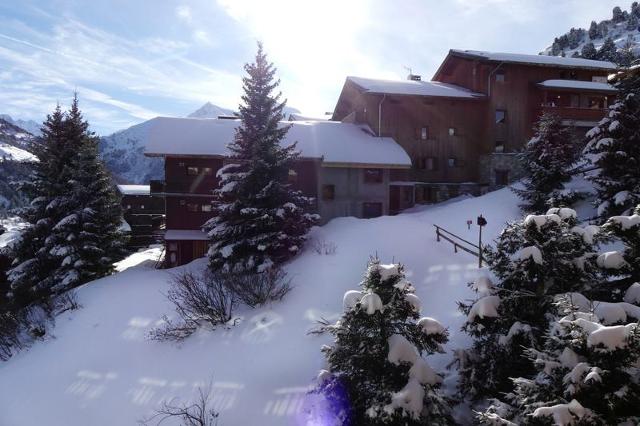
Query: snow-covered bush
pixel 259 221
pixel 198 299
pixel 614 148
pixel 547 161
pixel 258 288
pixel 376 371
pixel 533 260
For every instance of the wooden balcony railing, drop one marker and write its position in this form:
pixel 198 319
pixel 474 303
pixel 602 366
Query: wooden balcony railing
pixel 572 113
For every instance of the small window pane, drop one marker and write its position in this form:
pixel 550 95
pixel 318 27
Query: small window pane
pixel 207 171
pixel 501 116
pixel 452 162
pixel 373 175
pixel 452 131
pixel 192 171
pixel 193 207
pixel 430 163
pixel 500 76
pixel 328 192
pixel 293 176
pixel 424 133
pixel 206 207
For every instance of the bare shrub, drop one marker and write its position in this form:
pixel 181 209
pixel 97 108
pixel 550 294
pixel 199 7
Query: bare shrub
pixel 195 414
pixel 324 247
pixel 257 289
pixel 202 299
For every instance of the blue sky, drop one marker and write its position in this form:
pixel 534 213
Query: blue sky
pixel 131 60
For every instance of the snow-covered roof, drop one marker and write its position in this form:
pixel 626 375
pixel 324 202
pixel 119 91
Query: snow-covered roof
pixel 535 59
pixel 307 117
pixel 333 141
pixel 185 235
pixel 134 189
pixel 579 85
pixel 412 87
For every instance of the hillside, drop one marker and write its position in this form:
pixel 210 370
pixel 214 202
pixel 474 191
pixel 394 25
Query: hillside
pixel 28 125
pixel 616 39
pixel 100 370
pixel 15 162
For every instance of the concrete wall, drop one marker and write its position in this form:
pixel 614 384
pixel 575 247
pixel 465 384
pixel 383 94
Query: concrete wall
pixel 350 192
pixel 489 164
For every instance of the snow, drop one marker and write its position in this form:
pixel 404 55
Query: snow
pixel 422 372
pixel 563 414
pixel 371 303
pixel 414 301
pixel 410 399
pixel 185 234
pixel 535 59
pixel 134 189
pixel 411 87
pixel 386 271
pixel 12 153
pixel 587 232
pixel 579 85
pixel 430 326
pixel 485 307
pixel 209 110
pixel 563 212
pixel 626 222
pixel 13 226
pixel 350 299
pixel 531 252
pixel 333 142
pixel 612 337
pixel 611 260
pixel 615 125
pixel 483 285
pixel 401 350
pixel 516 328
pixel 632 295
pixel 541 220
pixel 620 198
pixel 100 370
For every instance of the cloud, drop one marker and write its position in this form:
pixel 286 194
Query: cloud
pixel 184 12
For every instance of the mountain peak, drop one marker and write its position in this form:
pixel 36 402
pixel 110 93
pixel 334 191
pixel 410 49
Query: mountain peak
pixel 209 110
pixel 28 125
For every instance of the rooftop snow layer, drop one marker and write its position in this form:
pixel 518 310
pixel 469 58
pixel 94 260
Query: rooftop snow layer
pixel 334 141
pixel 416 88
pixel 580 85
pixel 536 59
pixel 134 189
pixel 185 234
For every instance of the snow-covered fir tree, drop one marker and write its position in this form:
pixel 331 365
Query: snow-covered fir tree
pixel 533 260
pixel 73 215
pixel 259 219
pixel 376 371
pixel 547 162
pixel 614 148
pixel 588 369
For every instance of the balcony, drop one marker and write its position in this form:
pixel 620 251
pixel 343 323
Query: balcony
pixel 574 113
pixel 156 187
pixel 191 187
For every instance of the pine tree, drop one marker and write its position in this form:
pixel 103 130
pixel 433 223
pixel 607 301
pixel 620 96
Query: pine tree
pixel 594 32
pixel 533 261
pixel 617 15
pixel 614 148
pixel 259 220
pixel 608 51
pixel 73 214
pixel 589 51
pixel 376 371
pixel 547 161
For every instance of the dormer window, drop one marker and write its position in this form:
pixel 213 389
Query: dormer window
pixel 500 76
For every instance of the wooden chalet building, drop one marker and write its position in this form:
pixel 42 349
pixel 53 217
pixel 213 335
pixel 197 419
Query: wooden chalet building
pixel 463 128
pixel 390 144
pixel 143 214
pixel 345 167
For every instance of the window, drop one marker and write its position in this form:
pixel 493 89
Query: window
pixel 452 131
pixel 292 177
pixel 141 206
pixel 501 116
pixel 193 207
pixel 206 207
pixel 183 202
pixel 371 210
pixel 328 192
pixel 430 163
pixel 502 177
pixel 599 79
pixel 424 133
pixel 373 175
pixel 207 171
pixel 452 162
pixel 173 246
pixel 500 76
pixel 181 164
pixel 128 206
pixel 192 171
pixel 499 146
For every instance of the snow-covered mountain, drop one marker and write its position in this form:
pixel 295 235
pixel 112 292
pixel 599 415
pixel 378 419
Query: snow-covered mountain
pixel 123 151
pixel 616 39
pixel 15 162
pixel 210 110
pixel 28 125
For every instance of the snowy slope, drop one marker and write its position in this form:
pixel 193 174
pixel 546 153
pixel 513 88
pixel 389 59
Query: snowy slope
pixel 100 370
pixel 28 125
pixel 8 152
pixel 210 110
pixel 624 34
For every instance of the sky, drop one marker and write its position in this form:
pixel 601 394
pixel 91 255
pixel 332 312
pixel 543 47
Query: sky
pixel 132 60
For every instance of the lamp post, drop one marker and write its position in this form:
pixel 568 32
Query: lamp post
pixel 481 221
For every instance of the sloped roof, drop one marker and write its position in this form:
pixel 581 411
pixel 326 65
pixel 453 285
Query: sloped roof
pixel 333 141
pixel 134 189
pixel 415 88
pixel 579 85
pixel 535 59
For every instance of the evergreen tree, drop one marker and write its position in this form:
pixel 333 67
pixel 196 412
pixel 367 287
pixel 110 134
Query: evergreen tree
pixel 547 162
pixel 608 51
pixel 632 23
pixel 533 261
pixel 614 148
pixel 589 51
pixel 376 371
pixel 594 32
pixel 259 220
pixel 73 215
pixel 617 15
